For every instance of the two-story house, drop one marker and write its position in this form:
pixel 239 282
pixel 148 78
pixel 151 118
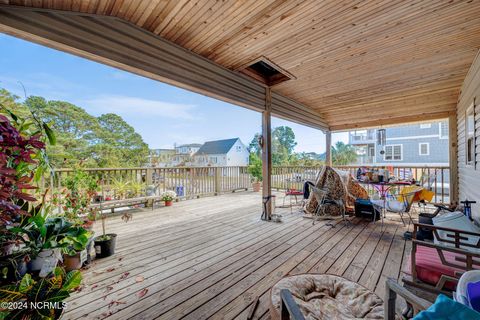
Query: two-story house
pixel 415 144
pixel 222 153
pixel 184 154
pixel 160 157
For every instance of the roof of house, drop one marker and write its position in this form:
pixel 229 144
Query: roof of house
pixel 217 147
pixel 193 145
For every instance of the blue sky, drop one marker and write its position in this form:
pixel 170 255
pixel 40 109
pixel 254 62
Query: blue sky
pixel 161 113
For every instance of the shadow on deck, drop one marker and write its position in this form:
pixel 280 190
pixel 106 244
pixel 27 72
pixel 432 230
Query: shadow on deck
pixel 211 257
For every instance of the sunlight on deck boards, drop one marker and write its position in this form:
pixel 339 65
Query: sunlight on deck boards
pixel 211 257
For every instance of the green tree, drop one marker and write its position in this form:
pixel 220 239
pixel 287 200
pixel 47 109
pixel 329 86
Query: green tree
pixel 285 137
pixel 254 146
pixel 97 142
pixel 343 154
pixel 120 136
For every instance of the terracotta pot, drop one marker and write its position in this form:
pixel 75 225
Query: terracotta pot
pixel 256 186
pixel 168 203
pixel 74 262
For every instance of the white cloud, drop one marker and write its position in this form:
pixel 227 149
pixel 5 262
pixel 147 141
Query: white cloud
pixel 134 106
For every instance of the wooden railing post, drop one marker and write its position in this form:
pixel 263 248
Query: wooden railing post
pixel 218 180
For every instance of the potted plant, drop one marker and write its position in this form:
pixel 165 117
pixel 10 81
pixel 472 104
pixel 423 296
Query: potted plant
pixel 31 291
pixel 74 248
pixel 255 170
pixel 105 244
pixel 168 196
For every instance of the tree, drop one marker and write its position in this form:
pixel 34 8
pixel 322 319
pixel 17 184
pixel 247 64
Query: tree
pixel 97 142
pixel 254 146
pixel 343 154
pixel 120 136
pixel 285 137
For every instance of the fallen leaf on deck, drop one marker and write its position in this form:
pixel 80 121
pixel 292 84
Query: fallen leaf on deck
pixel 115 302
pixel 110 269
pixel 120 259
pixel 124 276
pixel 139 279
pixel 108 288
pixel 94 286
pixel 142 293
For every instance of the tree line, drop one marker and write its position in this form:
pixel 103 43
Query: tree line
pixel 283 154
pixel 104 141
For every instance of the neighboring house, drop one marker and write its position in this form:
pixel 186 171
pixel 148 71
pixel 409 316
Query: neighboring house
pixel 160 157
pixel 415 144
pixel 224 153
pixel 184 154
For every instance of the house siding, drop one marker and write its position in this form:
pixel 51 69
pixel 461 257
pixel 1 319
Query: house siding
pixel 469 175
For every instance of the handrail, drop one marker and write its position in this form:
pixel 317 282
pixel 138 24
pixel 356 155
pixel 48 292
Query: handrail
pixel 195 181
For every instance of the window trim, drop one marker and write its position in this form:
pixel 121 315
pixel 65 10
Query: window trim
pixel 393 147
pixel 420 148
pixel 440 131
pixel 470 111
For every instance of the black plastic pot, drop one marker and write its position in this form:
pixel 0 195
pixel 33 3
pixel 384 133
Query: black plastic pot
pixel 105 248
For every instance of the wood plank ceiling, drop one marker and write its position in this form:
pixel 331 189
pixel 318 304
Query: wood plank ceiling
pixel 358 63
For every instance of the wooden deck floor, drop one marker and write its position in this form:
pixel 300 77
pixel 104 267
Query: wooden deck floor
pixel 211 257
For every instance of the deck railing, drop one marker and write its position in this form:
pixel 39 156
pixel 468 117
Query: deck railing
pixel 192 182
pixel 187 182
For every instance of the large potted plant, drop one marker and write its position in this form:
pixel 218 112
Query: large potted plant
pixel 255 171
pixel 25 228
pixel 48 292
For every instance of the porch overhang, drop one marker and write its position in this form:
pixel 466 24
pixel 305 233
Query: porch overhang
pixel 354 66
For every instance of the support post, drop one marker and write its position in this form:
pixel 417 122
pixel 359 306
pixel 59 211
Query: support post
pixel 267 155
pixel 453 157
pixel 328 151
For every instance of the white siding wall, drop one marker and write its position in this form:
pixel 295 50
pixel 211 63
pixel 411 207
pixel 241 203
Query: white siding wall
pixel 469 176
pixel 237 157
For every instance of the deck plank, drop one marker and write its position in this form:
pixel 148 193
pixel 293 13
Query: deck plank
pixel 211 257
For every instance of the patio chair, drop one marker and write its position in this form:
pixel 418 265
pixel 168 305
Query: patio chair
pixel 438 266
pixel 321 196
pixel 327 299
pixel 293 193
pixel 401 203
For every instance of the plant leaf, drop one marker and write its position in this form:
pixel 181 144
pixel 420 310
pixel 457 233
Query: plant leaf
pixel 50 134
pixel 72 280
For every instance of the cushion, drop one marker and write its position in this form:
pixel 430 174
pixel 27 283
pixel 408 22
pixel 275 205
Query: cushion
pixel 323 296
pixel 446 308
pixel 430 268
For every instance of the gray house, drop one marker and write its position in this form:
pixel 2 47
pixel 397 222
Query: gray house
pixel 410 145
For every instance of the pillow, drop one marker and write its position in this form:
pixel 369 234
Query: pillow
pixel 447 309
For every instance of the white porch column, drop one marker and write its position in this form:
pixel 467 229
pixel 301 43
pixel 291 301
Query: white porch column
pixel 453 157
pixel 267 154
pixel 328 152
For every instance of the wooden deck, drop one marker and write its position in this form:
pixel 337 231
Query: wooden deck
pixel 211 257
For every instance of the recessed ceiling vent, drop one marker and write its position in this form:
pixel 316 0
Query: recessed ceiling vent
pixel 266 71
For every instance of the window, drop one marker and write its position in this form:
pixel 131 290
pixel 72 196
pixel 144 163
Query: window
pixel 393 152
pixel 443 130
pixel 424 149
pixel 470 135
pixel 425 126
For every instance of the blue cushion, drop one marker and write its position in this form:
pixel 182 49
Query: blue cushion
pixel 447 309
